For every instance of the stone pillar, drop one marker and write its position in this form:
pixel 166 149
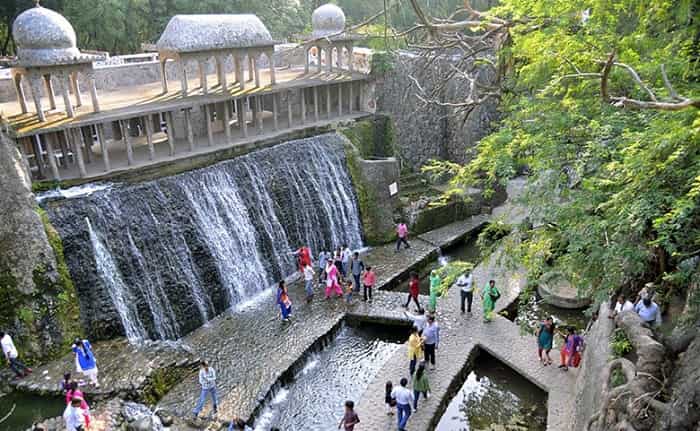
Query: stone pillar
pixel 183 77
pixel 148 123
pixel 188 128
pixel 251 66
pixel 49 91
pixel 256 61
pixel 170 130
pixel 330 58
pixel 77 150
pixel 340 99
pixel 64 80
pixel 319 54
pixel 352 97
pixel 48 142
pixel 203 76
pixel 35 84
pixel 76 89
pixel 289 109
pixel 328 100
pixel 86 139
pixel 237 68
pixel 63 147
pixel 103 146
pixel 207 119
pixel 240 74
pixel 275 124
pixel 351 58
pixel 127 140
pixel 259 110
pixel 221 69
pixel 227 120
pixel 302 95
pixel 20 92
pixel 243 116
pixel 271 60
pixel 316 118
pixel 307 51
pixel 163 75
pixel 39 156
pixel 93 91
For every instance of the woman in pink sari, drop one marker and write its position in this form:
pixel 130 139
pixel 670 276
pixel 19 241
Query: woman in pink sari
pixel 332 284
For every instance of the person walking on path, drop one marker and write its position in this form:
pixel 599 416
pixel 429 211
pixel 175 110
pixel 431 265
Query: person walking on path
pixel 283 300
pixel 545 337
pixel 309 282
pixel 421 385
pixel 466 290
pixel 338 260
pixel 345 256
pixel 357 267
pixel 413 290
pixel 332 284
pixel 649 312
pixel 303 257
pixel 350 418
pixel 368 280
pixel 9 351
pixel 431 335
pixel 622 304
pixel 72 393
pixel 573 344
pixel 73 416
pixel 389 400
pixel 404 399
pixel 419 320
pixel 323 258
pixel 434 289
pixel 415 350
pixel 85 361
pixel 402 236
pixel 207 381
pixel 489 297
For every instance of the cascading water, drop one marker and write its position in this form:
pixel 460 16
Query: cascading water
pixel 158 259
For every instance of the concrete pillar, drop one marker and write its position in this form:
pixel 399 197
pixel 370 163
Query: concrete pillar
pixel 328 100
pixel 75 136
pixel 148 123
pixel 351 58
pixel 207 119
pixel 237 68
pixel 203 77
pixel 251 66
pixel 243 116
pixel 307 50
pixel 64 79
pixel 183 77
pixel 329 58
pixel 49 91
pixel 352 97
pixel 39 156
pixel 63 146
pixel 340 99
pixel 76 89
pixel 20 92
pixel 221 69
pixel 302 95
pixel 163 76
pixel 103 146
pixel 188 128
pixel 256 62
pixel 123 126
pixel 35 84
pixel 93 92
pixel 240 74
pixel 170 130
pixel 271 60
pixel 86 140
pixel 316 118
pixel 48 142
pixel 227 120
pixel 275 124
pixel 259 110
pixel 289 109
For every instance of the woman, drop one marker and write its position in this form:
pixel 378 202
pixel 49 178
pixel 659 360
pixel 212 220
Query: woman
pixel 434 288
pixel 74 393
pixel 85 362
pixel 283 301
pixel 572 346
pixel 415 349
pixel 545 337
pixel 332 284
pixel 421 385
pixel 489 297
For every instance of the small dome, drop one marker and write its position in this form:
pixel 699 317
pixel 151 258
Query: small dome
pixel 43 37
pixel 327 20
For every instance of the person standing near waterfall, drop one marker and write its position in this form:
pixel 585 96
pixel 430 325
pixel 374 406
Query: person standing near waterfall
pixel 207 381
pixel 356 268
pixel 332 284
pixel 283 300
pixel 309 282
pixel 85 362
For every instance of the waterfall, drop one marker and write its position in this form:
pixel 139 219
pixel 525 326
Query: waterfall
pixel 156 260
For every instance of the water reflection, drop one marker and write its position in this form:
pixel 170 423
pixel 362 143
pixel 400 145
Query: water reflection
pixel 28 409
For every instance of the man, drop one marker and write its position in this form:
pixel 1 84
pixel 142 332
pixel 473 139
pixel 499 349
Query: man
pixel 621 305
pixel 466 290
pixel 322 262
pixel 431 333
pixel 345 259
pixel 207 380
pixel 649 312
pixel 402 233
pixel 356 268
pixel 404 399
pixel 413 291
pixel 419 319
pixel 309 282
pixel 74 416
pixel 10 353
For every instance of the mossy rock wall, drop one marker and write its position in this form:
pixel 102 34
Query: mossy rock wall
pixel 434 217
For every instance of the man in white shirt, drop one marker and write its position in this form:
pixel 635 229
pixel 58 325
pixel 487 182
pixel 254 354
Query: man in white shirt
pixel 345 259
pixel 404 399
pixel 621 305
pixel 74 416
pixel 207 380
pixel 419 320
pixel 9 351
pixel 309 282
pixel 466 290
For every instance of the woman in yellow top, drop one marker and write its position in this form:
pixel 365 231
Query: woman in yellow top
pixel 415 349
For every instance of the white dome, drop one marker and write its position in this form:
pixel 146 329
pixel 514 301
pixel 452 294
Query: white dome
pixel 44 37
pixel 327 20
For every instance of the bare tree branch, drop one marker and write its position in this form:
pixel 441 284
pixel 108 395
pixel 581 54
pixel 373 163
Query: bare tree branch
pixel 671 91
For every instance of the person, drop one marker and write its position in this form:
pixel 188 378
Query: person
pixel 348 291
pixel 489 297
pixel 389 400
pixel 413 290
pixel 332 284
pixel 323 258
pixel 303 257
pixel 621 305
pixel 64 385
pixel 284 301
pixel 649 312
pixel 345 260
pixel 647 292
pixel 85 361
pixel 421 385
pixel 419 319
pixel 73 416
pixel 207 381
pixel 545 337
pixel 74 392
pixel 356 268
pixel 350 418
pixel 238 424
pixel 368 280
pixel 466 290
pixel 309 281
pixel 338 260
pixel 434 289
pixel 415 349
pixel 431 335
pixel 573 344
pixel 9 351
pixel 402 236
pixel 404 399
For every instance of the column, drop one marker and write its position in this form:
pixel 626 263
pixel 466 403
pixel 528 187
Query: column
pixel 302 95
pixel 35 84
pixel 271 59
pixel 289 109
pixel 237 68
pixel 203 76
pixel 86 137
pixel 76 89
pixel 163 76
pixel 351 107
pixel 148 122
pixel 39 156
pixel 210 132
pixel 63 145
pixel 227 120
pixel 330 58
pixel 306 59
pixel 340 99
pixel 275 124
pixel 20 92
pixel 316 104
pixel 240 76
pixel 251 66
pixel 328 100
pixel 48 141
pixel 188 127
pixel 351 59
pixel 183 77
pixel 77 150
pixel 170 130
pixel 93 91
pixel 320 52
pixel 49 91
pixel 103 146
pixel 64 80
pixel 259 110
pixel 127 140
pixel 243 116
pixel 256 61
pixel 221 69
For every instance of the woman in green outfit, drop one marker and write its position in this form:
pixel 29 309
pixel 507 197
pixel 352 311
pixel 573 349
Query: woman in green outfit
pixel 434 288
pixel 421 385
pixel 489 297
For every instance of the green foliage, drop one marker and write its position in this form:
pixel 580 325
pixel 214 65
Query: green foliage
pixel 382 62
pixel 619 343
pixel 490 236
pixel 617 378
pixel 450 272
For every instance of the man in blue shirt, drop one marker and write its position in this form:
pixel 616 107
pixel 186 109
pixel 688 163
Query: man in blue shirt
pixel 431 333
pixel 649 312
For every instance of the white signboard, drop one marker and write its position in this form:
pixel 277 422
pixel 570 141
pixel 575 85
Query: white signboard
pixel 393 189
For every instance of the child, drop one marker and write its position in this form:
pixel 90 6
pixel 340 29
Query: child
pixel 348 292
pixel 388 399
pixel 350 419
pixel 65 383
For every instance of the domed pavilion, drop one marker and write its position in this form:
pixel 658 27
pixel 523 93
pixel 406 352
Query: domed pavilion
pixel 329 41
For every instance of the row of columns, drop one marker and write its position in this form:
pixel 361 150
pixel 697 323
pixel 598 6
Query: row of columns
pixel 328 49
